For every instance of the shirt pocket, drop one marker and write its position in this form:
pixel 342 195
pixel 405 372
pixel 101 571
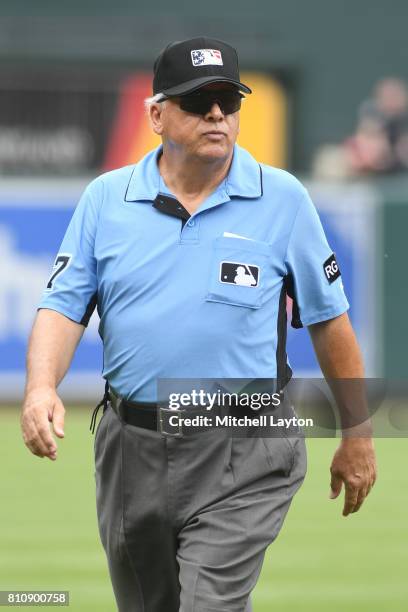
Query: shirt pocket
pixel 238 272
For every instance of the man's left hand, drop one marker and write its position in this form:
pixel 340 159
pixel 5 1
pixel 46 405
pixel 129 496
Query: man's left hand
pixel 354 465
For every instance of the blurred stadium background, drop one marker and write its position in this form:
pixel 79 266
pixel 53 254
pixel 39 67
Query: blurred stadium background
pixel 330 104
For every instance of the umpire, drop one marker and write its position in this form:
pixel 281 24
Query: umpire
pixel 188 256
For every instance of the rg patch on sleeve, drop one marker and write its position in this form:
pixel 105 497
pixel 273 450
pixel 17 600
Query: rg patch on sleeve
pixel 331 269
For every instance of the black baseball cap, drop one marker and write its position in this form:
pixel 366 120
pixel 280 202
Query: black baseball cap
pixel 184 66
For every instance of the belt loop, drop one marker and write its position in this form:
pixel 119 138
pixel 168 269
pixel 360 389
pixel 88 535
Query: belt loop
pixel 115 401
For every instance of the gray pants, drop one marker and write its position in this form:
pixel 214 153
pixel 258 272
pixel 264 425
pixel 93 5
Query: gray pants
pixel 185 522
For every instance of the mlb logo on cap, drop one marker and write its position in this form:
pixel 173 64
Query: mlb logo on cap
pixel 206 57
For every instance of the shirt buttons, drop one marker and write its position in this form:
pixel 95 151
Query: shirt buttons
pixel 191 223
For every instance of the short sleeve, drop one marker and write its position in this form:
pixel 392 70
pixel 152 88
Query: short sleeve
pixel 72 286
pixel 313 272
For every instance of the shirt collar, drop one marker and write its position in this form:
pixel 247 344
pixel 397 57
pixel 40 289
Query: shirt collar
pixel 145 178
pixel 244 178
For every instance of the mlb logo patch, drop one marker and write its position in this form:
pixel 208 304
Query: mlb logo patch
pixel 206 57
pixel 239 273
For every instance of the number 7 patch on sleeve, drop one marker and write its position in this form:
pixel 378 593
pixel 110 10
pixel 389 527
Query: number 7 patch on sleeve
pixel 61 263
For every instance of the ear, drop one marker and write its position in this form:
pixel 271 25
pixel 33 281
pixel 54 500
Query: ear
pixel 155 116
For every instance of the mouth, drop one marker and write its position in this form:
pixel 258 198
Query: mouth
pixel 214 134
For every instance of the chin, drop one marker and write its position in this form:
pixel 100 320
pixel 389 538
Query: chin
pixel 213 152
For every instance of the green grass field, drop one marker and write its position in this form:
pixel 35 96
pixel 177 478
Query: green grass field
pixel 321 561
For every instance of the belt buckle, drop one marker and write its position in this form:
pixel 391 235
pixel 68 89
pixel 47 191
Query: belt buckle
pixel 162 423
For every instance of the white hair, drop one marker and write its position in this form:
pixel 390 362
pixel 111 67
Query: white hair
pixel 158 98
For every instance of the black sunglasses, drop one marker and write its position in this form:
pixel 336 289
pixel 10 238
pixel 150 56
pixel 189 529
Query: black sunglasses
pixel 201 102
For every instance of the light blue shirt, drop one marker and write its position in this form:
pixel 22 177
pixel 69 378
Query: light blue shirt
pixel 198 299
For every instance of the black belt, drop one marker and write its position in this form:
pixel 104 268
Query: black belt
pixel 169 422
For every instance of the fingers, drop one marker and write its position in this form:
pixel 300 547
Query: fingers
pixel 37 435
pixel 35 423
pixel 356 494
pixel 373 478
pixel 335 486
pixel 36 441
pixel 357 488
pixel 351 499
pixel 362 494
pixel 58 418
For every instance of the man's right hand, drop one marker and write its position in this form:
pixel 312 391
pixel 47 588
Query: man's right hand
pixel 40 408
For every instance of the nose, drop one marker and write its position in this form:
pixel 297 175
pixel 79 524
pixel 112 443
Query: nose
pixel 215 113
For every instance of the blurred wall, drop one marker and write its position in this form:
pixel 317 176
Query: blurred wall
pixel 328 53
